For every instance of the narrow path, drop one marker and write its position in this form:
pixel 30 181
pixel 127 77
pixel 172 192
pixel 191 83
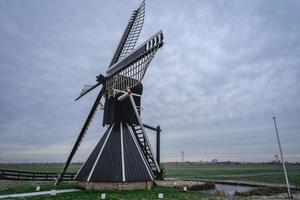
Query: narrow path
pixel 38 193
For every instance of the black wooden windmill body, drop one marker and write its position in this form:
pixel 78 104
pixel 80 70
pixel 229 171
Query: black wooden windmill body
pixel 124 153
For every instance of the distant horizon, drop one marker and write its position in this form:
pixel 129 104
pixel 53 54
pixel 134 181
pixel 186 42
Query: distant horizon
pixel 199 162
pixel 28 161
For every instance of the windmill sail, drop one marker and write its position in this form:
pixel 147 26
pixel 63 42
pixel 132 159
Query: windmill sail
pixel 131 34
pixel 81 135
pixel 129 71
pixel 86 89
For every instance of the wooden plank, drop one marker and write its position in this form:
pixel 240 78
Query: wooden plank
pixel 26 175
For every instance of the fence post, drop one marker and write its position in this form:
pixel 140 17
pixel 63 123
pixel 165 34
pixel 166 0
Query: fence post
pixel 158 130
pixel 22 176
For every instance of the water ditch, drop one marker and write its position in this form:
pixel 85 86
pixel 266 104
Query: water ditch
pixel 227 189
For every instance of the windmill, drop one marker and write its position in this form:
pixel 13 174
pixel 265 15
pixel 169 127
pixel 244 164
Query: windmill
pixel 124 155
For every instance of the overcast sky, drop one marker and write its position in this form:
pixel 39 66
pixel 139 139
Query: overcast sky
pixel 227 67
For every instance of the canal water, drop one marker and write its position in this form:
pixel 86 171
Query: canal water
pixel 228 189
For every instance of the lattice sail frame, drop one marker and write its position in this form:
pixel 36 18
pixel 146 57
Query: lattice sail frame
pixel 85 88
pixel 138 17
pixel 130 76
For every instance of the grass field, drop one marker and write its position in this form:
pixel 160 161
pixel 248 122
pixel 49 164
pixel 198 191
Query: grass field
pixel 40 167
pixel 169 193
pixel 249 172
pixel 15 187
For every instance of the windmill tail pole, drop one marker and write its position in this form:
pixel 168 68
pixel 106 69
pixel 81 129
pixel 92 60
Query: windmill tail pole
pixel 283 164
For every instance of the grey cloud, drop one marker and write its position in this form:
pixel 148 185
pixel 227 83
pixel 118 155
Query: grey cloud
pixel 225 70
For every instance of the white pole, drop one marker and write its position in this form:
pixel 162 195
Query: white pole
pixel 284 169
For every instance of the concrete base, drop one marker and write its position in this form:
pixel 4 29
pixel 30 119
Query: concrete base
pixel 115 186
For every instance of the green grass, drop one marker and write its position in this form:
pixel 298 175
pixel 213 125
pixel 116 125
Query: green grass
pixel 249 172
pixel 15 187
pixel 40 167
pixel 169 193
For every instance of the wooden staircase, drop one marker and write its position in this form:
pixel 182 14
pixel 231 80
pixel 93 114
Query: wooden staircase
pixel 146 148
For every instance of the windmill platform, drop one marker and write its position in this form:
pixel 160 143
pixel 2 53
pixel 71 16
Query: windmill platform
pixel 115 186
